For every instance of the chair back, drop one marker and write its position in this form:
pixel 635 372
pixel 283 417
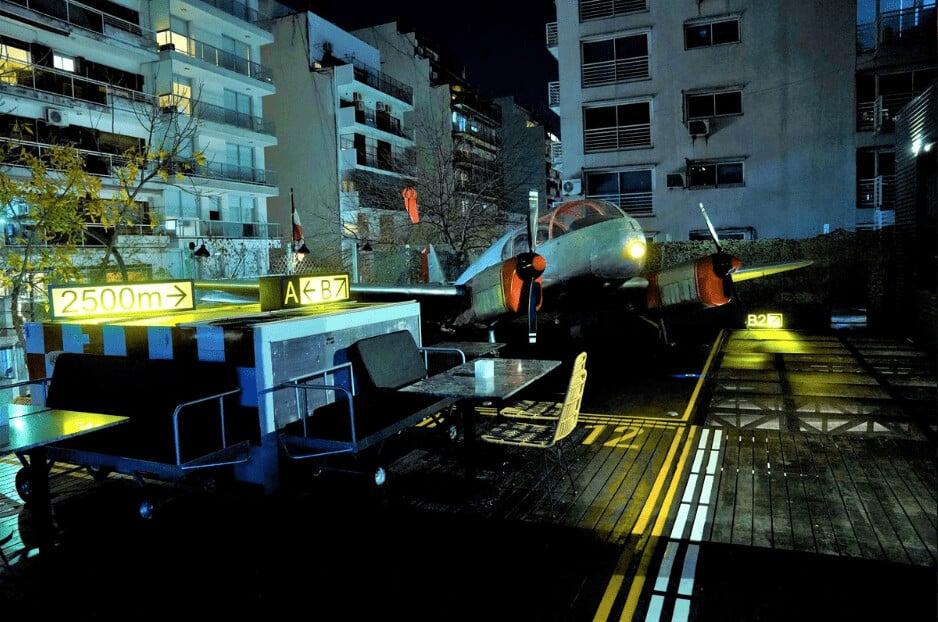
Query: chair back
pixel 571 403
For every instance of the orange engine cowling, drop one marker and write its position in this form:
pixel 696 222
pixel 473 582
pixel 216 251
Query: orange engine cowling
pixel 502 288
pixel 691 282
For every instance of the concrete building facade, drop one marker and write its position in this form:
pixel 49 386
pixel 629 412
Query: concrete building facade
pixel 746 106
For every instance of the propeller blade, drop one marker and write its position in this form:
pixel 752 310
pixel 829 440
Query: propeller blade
pixel 532 221
pixel 532 310
pixel 713 232
pixel 530 267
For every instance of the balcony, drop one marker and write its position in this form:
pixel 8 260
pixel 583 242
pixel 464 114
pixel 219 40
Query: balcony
pixel 226 116
pixel 551 38
pixel 911 25
pixel 242 12
pixel 44 84
pixel 83 17
pixel 553 95
pixel 351 72
pixel 213 56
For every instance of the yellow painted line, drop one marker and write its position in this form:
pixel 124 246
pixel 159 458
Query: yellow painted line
pixel 618 576
pixel 718 342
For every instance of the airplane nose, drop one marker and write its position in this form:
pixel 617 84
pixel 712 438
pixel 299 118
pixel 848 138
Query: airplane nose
pixel 539 263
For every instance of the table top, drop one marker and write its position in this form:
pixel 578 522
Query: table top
pixel 472 349
pixel 31 426
pixel 511 375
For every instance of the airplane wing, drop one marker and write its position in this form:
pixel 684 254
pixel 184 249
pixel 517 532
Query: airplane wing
pixel 757 272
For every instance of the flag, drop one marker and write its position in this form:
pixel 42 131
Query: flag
pixel 297 225
pixel 410 204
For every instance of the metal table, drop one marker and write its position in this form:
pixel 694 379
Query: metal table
pixel 510 376
pixel 30 429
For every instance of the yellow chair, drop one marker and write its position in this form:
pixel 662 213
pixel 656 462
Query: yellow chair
pixel 530 425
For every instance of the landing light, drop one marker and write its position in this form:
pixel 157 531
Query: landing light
pixel 636 249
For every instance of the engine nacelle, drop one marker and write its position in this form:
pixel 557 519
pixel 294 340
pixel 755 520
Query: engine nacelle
pixel 691 282
pixel 501 289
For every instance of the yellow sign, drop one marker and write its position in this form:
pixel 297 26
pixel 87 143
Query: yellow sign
pixel 121 298
pixel 765 320
pixel 287 292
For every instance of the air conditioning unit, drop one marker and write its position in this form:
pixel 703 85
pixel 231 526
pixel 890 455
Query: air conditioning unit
pixel 571 186
pixel 56 116
pixel 698 127
pixel 675 180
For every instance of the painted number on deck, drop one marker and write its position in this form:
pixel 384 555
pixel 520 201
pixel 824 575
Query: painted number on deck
pixel 619 437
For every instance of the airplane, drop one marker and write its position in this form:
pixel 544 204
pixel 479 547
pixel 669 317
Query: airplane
pixel 584 249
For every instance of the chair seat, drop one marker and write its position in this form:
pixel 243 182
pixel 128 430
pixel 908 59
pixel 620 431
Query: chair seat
pixel 521 433
pixel 530 409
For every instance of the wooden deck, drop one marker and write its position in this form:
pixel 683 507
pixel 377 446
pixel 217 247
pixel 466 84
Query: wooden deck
pixel 803 468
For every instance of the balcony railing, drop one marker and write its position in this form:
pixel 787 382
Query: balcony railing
pixel 242 12
pixel 615 138
pixel 598 9
pixel 220 58
pixel 553 94
pixel 183 227
pixel 226 116
pixel 384 83
pixel 551 35
pixel 911 24
pixel 230 172
pixel 65 84
pixel 78 15
pixel 480 133
pixel 612 71
pixel 886 110
pixel 632 203
pixel 868 195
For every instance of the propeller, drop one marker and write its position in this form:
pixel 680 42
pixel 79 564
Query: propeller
pixel 530 266
pixel 724 264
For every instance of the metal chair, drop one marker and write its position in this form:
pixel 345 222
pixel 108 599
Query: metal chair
pixel 525 425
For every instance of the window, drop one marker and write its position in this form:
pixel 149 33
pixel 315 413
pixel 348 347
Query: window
pixel 630 189
pixel 709 33
pixel 611 128
pixel 715 174
pixel 615 60
pixel 709 105
pixel 63 62
pixel 14 64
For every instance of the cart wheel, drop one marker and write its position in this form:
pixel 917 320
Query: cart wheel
pixel 98 473
pixel 146 509
pixel 23 486
pixel 380 476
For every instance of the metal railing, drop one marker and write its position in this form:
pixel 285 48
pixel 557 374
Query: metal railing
pixel 384 83
pixel 242 12
pixel 615 138
pixel 88 18
pixel 72 86
pixel 632 203
pixel 598 9
pixel 226 116
pixel 551 35
pixel 553 94
pixel 220 58
pixel 890 105
pixel 612 71
pixel 910 24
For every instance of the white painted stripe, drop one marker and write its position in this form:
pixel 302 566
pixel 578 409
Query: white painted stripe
pixel 707 489
pixel 680 521
pixel 713 462
pixel 664 571
pixel 698 459
pixel 681 610
pixel 690 492
pixel 654 608
pixel 686 585
pixel 700 520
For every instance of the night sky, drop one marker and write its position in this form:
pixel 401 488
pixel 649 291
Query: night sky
pixel 501 43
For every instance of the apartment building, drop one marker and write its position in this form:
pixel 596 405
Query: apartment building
pixel 108 75
pixel 344 150
pixel 747 106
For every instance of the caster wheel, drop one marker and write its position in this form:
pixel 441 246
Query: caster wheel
pixel 24 487
pixel 147 509
pixel 380 476
pixel 99 473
